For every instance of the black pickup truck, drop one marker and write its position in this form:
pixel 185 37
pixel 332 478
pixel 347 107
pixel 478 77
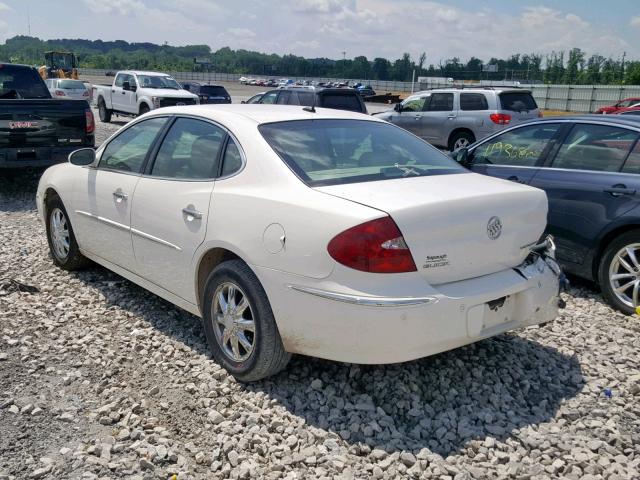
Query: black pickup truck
pixel 35 129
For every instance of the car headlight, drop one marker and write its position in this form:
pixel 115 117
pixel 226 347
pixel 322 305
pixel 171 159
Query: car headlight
pixel 156 102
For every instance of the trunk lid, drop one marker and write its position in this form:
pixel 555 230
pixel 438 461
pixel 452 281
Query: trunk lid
pixel 448 221
pixel 42 123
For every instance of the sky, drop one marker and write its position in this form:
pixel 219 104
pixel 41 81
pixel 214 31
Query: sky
pixel 327 28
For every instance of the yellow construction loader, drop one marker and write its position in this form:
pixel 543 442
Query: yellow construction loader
pixel 59 65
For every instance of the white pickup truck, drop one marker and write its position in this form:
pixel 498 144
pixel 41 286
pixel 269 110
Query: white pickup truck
pixel 134 93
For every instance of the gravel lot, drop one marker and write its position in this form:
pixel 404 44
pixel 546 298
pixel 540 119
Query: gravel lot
pixel 101 379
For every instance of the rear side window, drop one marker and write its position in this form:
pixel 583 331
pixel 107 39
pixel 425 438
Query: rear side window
pixel 441 102
pixel 595 147
pixel 127 151
pixel 306 98
pixel 232 161
pixel 283 98
pixel 473 101
pixel 189 151
pixel 521 147
pixel 517 101
pixel 341 101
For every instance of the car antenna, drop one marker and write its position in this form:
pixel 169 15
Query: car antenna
pixel 312 108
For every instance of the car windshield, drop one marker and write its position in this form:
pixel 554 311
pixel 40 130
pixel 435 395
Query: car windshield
pixel 335 152
pixel 21 82
pixel 71 84
pixel 214 90
pixel 158 81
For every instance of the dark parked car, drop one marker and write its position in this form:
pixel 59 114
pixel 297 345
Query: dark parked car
pixel 366 91
pixel 589 166
pixel 35 129
pixel 338 98
pixel 208 93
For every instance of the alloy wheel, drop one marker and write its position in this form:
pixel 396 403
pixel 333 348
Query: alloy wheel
pixel 233 322
pixel 460 143
pixel 624 275
pixel 59 228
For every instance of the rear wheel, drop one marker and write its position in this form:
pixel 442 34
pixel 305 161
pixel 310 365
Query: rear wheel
pixel 62 241
pixel 619 272
pixel 239 324
pixel 461 140
pixel 104 112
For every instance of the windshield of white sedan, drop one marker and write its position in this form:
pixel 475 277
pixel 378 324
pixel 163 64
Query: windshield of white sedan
pixel 334 152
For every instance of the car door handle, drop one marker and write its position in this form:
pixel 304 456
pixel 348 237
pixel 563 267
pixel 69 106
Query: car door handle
pixel 418 117
pixel 120 196
pixel 113 91
pixel 192 212
pixel 618 190
pixel 451 116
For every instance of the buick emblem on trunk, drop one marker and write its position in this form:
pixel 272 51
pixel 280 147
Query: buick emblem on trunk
pixel 494 228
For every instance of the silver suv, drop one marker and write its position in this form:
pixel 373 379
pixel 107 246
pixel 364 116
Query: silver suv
pixel 456 117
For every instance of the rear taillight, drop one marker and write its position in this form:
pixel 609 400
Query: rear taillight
pixel 60 93
pixel 376 246
pixel 90 122
pixel 500 118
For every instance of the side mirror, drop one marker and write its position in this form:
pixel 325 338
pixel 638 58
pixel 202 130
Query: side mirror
pixel 398 107
pixel 462 157
pixel 133 88
pixel 243 101
pixel 126 85
pixel 82 157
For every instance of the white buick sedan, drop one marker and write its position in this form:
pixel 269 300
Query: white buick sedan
pixel 301 230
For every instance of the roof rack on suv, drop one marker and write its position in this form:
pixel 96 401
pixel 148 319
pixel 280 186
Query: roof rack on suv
pixel 476 87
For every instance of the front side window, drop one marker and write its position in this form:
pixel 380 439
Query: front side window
pixel 189 151
pixel 521 147
pixel 595 147
pixel 127 151
pixel 269 98
pixel 441 102
pixel 414 104
pixel 333 152
pixel 256 98
pixel 473 101
pixel 120 79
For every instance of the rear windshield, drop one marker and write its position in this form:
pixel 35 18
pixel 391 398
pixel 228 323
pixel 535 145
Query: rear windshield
pixel 214 91
pixel 341 101
pixel 335 152
pixel 21 82
pixel 71 84
pixel 517 101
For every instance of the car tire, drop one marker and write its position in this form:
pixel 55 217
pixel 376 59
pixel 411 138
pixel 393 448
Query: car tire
pixel 61 239
pixel 144 108
pixel 460 140
pixel 103 112
pixel 257 354
pixel 612 263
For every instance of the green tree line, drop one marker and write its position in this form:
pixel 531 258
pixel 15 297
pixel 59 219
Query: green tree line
pixel 572 67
